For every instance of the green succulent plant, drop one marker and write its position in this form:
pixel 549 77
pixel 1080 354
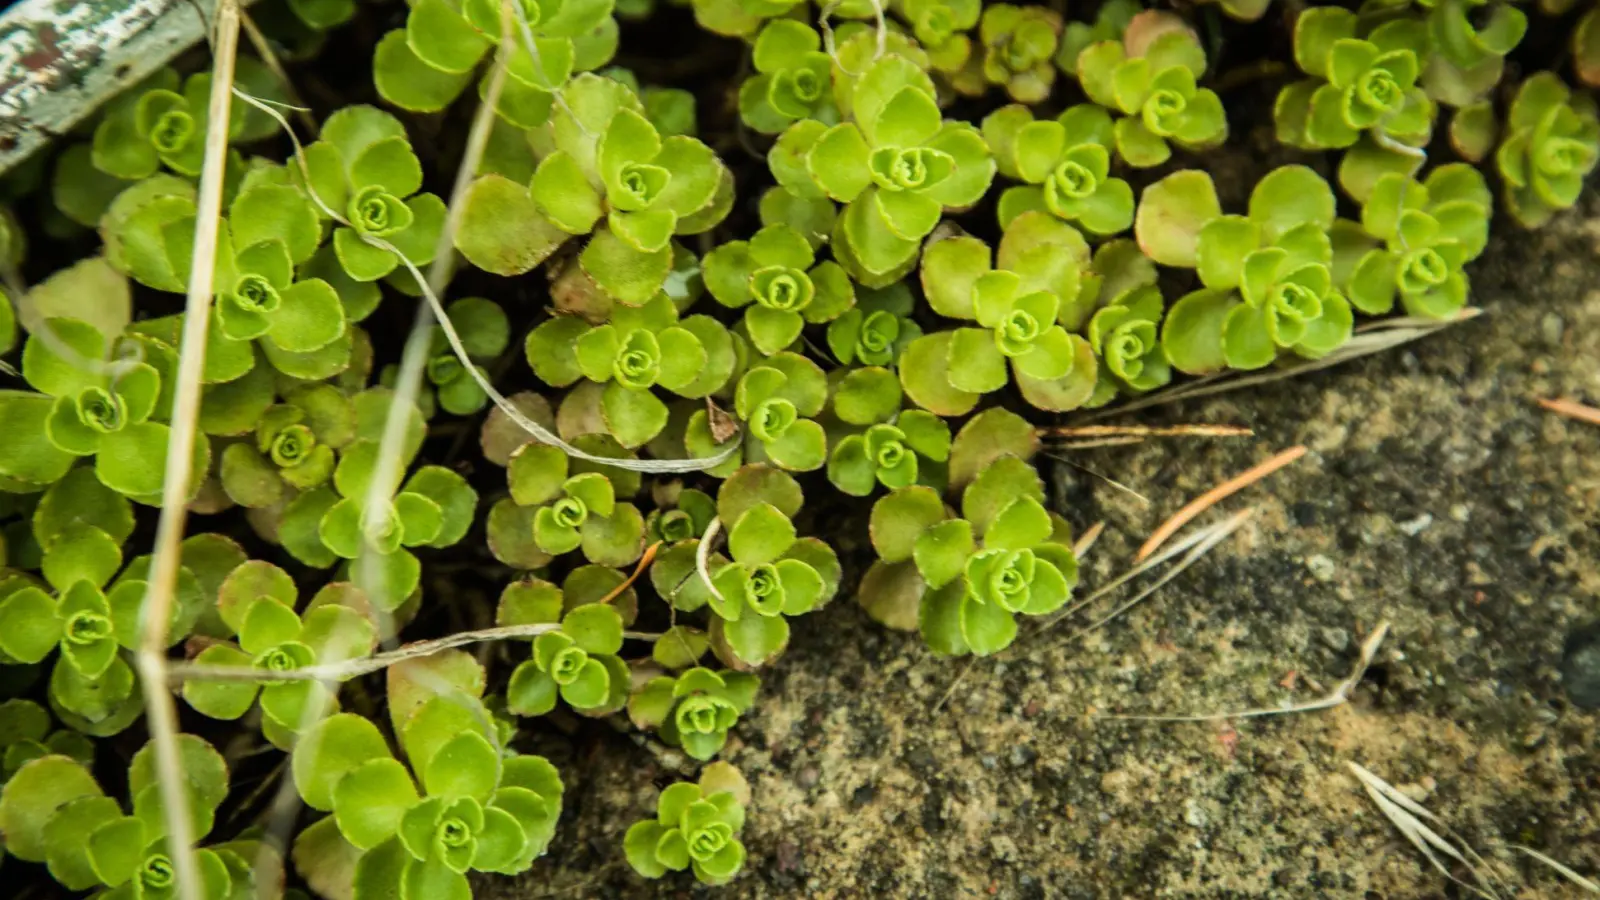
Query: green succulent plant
pixel 364 170
pixel 425 66
pixel 876 329
pixel 574 511
pixel 671 110
pixel 321 15
pixel 898 166
pixel 1357 85
pixel 293 448
pixel 84 608
pixel 607 161
pixel 893 455
pixel 27 734
pixel 1470 34
pixel 101 404
pixel 776 400
pixel 1015 314
pixel 1005 556
pixel 477 810
pixel 1269 281
pixel 1157 94
pixel 433 508
pixel 1125 336
pixel 772 576
pixel 685 517
pixel 696 827
pixel 695 709
pixel 1111 21
pixel 74 613
pixel 272 230
pixel 941 27
pixel 1018 47
pixel 1065 164
pixel 926 345
pixel 793 80
pixel 578 662
pixel 54 812
pixel 1426 241
pixel 738 18
pixel 485 332
pixel 774 276
pixel 163 122
pixel 638 349
pixel 1551 145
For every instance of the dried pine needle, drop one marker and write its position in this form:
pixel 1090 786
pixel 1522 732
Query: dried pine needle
pixel 1572 409
pixel 1210 498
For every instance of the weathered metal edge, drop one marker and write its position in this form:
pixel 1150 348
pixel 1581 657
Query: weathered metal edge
pixel 60 59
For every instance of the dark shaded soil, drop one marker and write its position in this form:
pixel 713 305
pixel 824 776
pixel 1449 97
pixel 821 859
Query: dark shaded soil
pixel 1436 496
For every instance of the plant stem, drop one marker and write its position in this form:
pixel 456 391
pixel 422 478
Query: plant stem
pixel 414 359
pixel 263 48
pixel 366 665
pixel 160 707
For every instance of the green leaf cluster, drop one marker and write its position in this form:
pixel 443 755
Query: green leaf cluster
pixel 1156 92
pixel 696 827
pixel 1004 556
pixel 577 661
pixel 695 709
pixel 897 165
pixel 256 602
pixel 461 805
pixel 1552 144
pixel 53 811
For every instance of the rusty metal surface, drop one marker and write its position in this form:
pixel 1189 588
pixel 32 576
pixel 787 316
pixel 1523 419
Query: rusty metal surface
pixel 60 59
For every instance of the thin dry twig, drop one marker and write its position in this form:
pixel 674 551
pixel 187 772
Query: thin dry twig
pixel 1201 548
pixel 1144 431
pixel 1179 546
pixel 1336 697
pixel 648 557
pixel 1212 497
pixel 1085 541
pixel 1572 409
pixel 366 665
pixel 160 707
pixel 1413 822
pixel 1143 500
pixel 1564 871
pixel 269 57
pixel 1099 442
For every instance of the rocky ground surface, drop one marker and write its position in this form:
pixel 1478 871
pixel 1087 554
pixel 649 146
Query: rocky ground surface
pixel 1436 496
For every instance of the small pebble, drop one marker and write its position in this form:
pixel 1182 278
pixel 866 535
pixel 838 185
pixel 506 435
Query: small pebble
pixel 1551 328
pixel 1336 638
pixel 1416 526
pixel 1322 568
pixel 1580 666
